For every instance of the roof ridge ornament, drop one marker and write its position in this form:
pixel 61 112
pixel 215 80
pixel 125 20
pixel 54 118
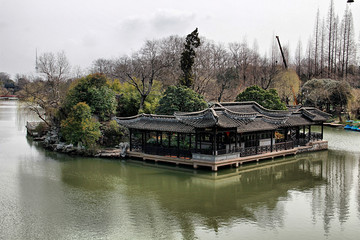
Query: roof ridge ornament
pixel 214 115
pixel 275 120
pixel 308 114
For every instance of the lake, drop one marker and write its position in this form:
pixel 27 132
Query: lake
pixel 47 195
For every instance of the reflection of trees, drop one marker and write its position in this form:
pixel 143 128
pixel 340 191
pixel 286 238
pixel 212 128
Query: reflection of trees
pixel 251 195
pixel 130 199
pixel 153 197
pixel 332 200
pixel 23 115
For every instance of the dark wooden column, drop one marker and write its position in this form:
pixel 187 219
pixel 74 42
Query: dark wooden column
pixel 200 135
pixel 229 142
pixel 178 144
pixel 322 130
pixel 196 141
pixel 190 141
pixel 257 142
pixel 142 141
pixel 309 133
pixel 214 141
pixel 297 135
pixel 286 137
pixel 271 141
pixel 236 140
pixel 161 134
pixel 169 138
pixel 130 138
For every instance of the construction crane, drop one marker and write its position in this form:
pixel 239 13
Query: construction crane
pixel 286 67
pixel 282 53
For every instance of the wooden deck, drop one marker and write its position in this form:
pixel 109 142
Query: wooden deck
pixel 214 165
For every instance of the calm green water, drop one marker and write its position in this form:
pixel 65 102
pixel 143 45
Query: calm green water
pixel 44 195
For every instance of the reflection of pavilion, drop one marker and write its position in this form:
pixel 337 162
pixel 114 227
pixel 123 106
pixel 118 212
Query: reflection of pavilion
pixel 224 134
pixel 248 193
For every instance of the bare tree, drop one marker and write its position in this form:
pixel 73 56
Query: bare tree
pixel 270 65
pixel 171 49
pixel 317 42
pixel 331 16
pixel 241 55
pixel 203 68
pixel 142 68
pixel 309 60
pixel 322 54
pixel 56 69
pixel 104 66
pixel 298 58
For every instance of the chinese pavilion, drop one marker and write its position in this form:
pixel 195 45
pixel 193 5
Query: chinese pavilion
pixel 225 134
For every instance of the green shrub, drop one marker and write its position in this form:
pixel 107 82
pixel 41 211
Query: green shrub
pixel 80 127
pixel 112 134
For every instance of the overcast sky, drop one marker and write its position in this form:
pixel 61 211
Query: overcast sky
pixel 91 29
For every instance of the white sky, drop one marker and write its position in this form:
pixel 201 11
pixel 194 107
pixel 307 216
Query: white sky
pixel 91 29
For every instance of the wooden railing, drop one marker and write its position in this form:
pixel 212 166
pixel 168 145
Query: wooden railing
pixel 248 151
pixel 164 151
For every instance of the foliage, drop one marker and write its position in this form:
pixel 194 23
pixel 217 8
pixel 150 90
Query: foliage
pixel 41 128
pixel 95 91
pixel 187 58
pixel 225 79
pixel 79 127
pixel 287 84
pixel 129 98
pixel 180 98
pixel 354 104
pixel 266 98
pixel 143 68
pixel 39 98
pixel 112 133
pixel 325 92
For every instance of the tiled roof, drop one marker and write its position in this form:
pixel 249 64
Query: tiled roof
pixel 155 123
pixel 245 116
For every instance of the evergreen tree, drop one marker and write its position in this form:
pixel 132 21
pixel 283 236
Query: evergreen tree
pixel 266 98
pixel 180 99
pixel 188 57
pixel 80 127
pixel 93 90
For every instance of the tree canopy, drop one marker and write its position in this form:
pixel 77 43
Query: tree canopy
pixel 79 127
pixel 94 90
pixel 287 84
pixel 129 98
pixel 266 98
pixel 325 92
pixel 180 98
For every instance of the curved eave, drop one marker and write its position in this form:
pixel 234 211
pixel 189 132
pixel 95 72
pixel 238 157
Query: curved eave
pixel 156 124
pixel 258 108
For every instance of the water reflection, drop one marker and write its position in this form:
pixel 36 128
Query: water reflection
pixel 46 194
pixel 252 193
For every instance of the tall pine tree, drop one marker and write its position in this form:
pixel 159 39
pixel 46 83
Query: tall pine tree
pixel 188 57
